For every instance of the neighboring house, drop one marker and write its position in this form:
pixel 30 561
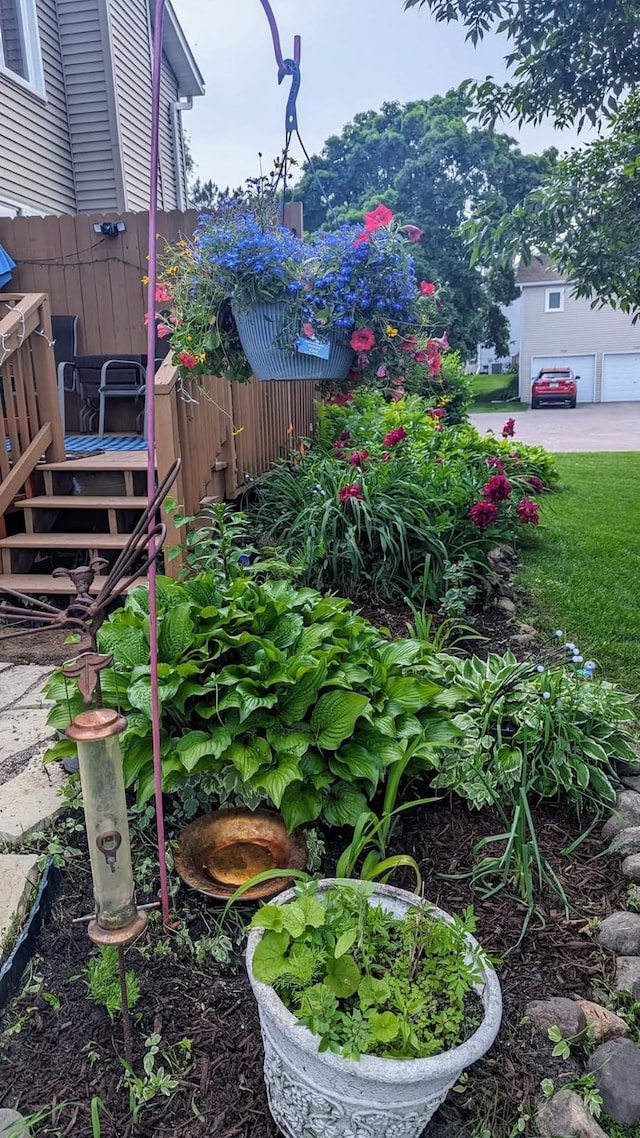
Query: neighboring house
pixel 602 345
pixel 75 106
pixel 487 362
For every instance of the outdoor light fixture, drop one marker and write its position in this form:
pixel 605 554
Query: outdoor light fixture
pixel 109 228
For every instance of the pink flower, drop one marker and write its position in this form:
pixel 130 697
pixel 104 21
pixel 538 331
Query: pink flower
pixel 386 456
pixel 163 330
pixel 508 431
pixel 497 489
pixel 427 288
pixel 382 373
pixel 363 237
pixel 187 359
pixel 393 437
pixel 309 331
pixel 527 511
pixel 397 394
pixel 363 339
pixel 358 457
pixel 497 463
pixel 398 381
pixel 377 218
pixel 483 514
pixel 408 344
pixel 353 491
pixel 413 233
pixel 442 341
pixel 162 294
pixel 537 483
pixel 436 413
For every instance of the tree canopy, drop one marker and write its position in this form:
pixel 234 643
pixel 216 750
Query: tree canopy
pixel 432 169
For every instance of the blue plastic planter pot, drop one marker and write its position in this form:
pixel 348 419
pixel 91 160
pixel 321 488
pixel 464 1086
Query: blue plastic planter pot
pixel 261 325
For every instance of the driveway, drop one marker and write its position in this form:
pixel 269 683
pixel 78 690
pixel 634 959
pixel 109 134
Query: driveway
pixel 589 427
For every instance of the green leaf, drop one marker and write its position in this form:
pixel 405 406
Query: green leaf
pixel 345 942
pixel 343 977
pixel 139 695
pixel 343 804
pixel 296 705
pixel 385 1026
pixel 176 633
pixel 300 804
pixel 249 757
pixel 269 960
pixel 373 991
pixel 334 717
pixel 409 693
pixel 129 646
pixel 276 780
pixel 197 744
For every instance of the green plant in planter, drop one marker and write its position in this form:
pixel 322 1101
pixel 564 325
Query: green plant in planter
pixel 366 981
pixel 289 690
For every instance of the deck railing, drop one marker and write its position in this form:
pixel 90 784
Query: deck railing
pixel 28 392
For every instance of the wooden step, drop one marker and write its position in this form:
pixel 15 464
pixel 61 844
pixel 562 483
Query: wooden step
pixel 65 541
pixel 81 502
pixel 40 584
pixel 114 460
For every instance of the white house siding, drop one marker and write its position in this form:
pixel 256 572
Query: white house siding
pixel 130 40
pixel 578 330
pixel 35 149
pixel 84 37
pixel 169 93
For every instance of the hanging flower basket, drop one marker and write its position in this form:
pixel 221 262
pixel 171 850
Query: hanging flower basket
pixel 261 325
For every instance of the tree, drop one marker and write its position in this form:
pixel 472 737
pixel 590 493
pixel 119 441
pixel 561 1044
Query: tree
pixel 433 170
pixel 569 59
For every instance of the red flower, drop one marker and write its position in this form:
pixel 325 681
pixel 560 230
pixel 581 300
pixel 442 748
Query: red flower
pixel 413 233
pixel 508 431
pixel 515 458
pixel 343 437
pixel 386 456
pixel 377 218
pixel 408 344
pixel 537 483
pixel 427 288
pixel 353 491
pixel 436 413
pixel 162 294
pixel 363 237
pixel 341 399
pixel 483 514
pixel 363 339
pixel 527 511
pixel 358 457
pixel 163 330
pixel 497 489
pixel 308 330
pixel 393 437
pixel 497 463
pixel 442 341
pixel 187 360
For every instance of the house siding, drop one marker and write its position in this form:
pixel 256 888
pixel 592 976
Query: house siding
pixel 84 36
pixel 35 147
pixel 169 93
pixel 130 41
pixel 578 330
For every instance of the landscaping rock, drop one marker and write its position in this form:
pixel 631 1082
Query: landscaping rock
pixel 18 875
pixel 557 1012
pixel 10 1125
pixel 506 606
pixel 566 1116
pixel 632 781
pixel 604 1024
pixel 628 975
pixel 626 842
pixel 627 814
pixel 616 1067
pixel 631 867
pixel 621 933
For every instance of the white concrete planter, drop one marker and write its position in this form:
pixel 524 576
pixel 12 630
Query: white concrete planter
pixel 316 1094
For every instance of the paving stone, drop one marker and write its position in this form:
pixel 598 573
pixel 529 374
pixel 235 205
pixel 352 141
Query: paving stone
pixel 18 875
pixel 604 1024
pixel 616 1067
pixel 627 814
pixel 10 1126
pixel 566 1116
pixel 29 799
pixel 631 867
pixel 621 933
pixel 628 975
pixel 626 842
pixel 21 686
pixel 20 730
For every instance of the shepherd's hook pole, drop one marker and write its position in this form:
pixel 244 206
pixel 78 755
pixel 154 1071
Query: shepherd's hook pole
pixel 151 444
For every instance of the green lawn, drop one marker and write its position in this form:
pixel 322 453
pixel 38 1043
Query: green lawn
pixel 490 393
pixel 582 567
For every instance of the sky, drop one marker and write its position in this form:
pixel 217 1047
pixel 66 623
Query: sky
pixel 356 54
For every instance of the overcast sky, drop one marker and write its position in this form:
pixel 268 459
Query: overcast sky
pixel 355 55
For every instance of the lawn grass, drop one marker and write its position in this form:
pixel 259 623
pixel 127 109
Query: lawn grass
pixel 490 393
pixel 582 567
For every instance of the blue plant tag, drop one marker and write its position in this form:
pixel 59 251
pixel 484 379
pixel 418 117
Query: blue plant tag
pixel 313 347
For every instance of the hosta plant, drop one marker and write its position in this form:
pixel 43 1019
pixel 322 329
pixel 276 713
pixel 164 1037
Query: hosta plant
pixel 286 695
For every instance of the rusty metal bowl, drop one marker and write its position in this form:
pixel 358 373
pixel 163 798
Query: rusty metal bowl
pixel 219 852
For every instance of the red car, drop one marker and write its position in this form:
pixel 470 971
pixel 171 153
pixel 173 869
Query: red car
pixel 554 385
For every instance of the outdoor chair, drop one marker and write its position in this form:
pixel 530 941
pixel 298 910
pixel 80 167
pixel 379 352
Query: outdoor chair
pixel 65 349
pixel 123 378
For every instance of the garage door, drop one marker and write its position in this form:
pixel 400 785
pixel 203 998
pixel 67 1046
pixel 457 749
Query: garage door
pixel 620 376
pixel 583 366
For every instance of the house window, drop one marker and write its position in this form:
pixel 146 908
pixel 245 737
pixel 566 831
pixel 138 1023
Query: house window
pixel 554 297
pixel 20 55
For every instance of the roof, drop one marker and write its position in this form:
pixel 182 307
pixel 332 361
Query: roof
pixel 540 271
pixel 179 54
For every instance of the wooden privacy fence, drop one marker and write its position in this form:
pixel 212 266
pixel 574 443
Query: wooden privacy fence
pixel 30 418
pixel 223 431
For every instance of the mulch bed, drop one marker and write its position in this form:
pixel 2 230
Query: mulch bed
pixel 63 1057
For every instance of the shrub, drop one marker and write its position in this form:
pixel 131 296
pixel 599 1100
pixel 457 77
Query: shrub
pixel 389 499
pixel 292 694
pixel 450 389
